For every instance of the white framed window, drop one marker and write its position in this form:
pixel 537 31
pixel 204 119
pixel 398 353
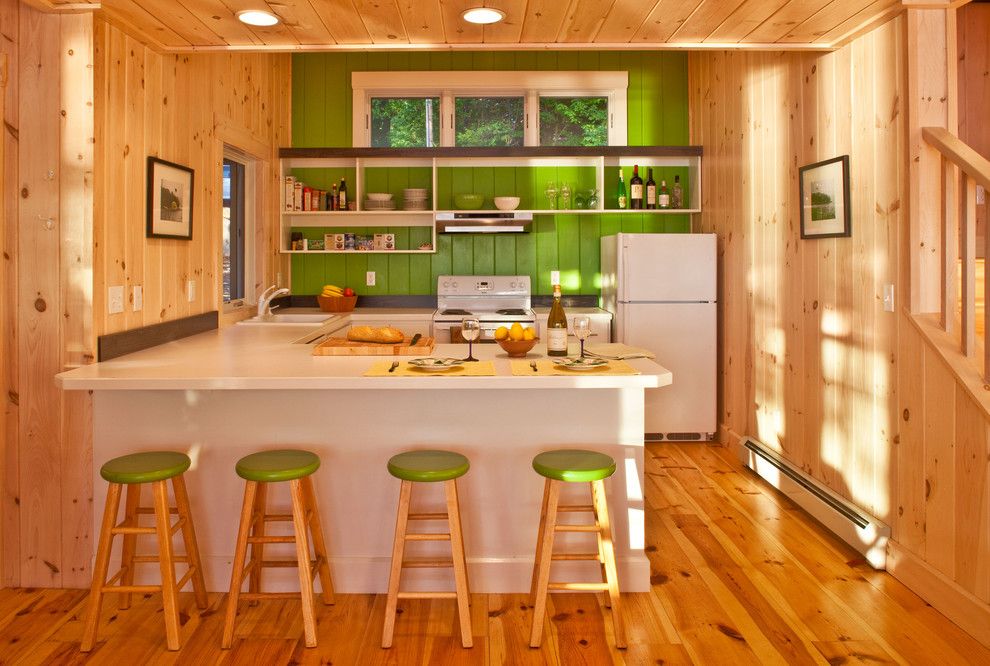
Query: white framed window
pixel 238 189
pixel 495 108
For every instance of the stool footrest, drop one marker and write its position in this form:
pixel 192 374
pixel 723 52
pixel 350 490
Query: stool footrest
pixel 123 529
pixel 255 596
pixel 427 564
pixel 271 539
pixel 582 587
pixel 127 589
pixel 314 567
pixel 427 595
pixel 144 559
pixel 576 508
pixel 575 556
pixel 279 564
pixel 428 537
pixel 576 528
pixel 185 578
pixel 428 516
pixel 114 578
pixel 278 518
pixel 150 510
pixel 177 526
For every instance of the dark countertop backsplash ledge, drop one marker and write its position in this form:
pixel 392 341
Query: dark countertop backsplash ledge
pixel 430 301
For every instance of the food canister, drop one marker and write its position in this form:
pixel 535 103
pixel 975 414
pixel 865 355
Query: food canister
pixel 349 241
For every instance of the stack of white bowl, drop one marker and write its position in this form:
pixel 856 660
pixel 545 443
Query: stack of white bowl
pixel 415 198
pixel 379 201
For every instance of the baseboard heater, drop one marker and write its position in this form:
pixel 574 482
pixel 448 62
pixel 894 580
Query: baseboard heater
pixel 866 534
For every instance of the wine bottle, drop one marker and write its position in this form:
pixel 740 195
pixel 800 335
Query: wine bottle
pixel 556 327
pixel 342 195
pixel 651 189
pixel 663 197
pixel 622 191
pixel 636 190
pixel 677 194
pixel 334 199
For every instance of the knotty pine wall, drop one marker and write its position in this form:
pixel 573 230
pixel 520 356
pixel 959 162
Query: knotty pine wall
pixel 180 108
pixel 974 91
pixel 810 363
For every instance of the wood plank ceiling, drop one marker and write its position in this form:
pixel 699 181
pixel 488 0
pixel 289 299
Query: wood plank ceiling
pixel 183 25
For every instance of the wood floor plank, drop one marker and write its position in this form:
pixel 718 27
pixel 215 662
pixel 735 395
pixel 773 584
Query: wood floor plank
pixel 739 575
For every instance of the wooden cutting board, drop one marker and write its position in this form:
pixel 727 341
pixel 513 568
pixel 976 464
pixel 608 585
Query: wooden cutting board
pixel 345 347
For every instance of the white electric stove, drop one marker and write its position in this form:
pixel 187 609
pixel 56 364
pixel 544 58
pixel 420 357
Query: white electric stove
pixel 496 300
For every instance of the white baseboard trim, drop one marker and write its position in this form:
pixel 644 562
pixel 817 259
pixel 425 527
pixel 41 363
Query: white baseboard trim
pixel 370 575
pixel 966 610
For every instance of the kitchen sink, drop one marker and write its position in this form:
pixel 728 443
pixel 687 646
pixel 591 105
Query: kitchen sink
pixel 310 319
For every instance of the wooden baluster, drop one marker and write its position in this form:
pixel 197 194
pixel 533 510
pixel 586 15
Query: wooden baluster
pixel 950 246
pixel 967 222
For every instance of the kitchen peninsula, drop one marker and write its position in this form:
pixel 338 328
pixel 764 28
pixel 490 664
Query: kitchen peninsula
pixel 222 394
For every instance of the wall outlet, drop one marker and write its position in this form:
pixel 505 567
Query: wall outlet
pixel 191 290
pixel 369 279
pixel 115 301
pixel 554 277
pixel 888 298
pixel 981 195
pixel 137 299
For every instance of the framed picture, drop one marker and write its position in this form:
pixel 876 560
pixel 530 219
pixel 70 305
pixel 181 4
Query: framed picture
pixel 825 199
pixel 170 200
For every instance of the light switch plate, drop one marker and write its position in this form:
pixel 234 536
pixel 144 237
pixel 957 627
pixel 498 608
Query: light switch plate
pixel 191 290
pixel 137 301
pixel 554 277
pixel 981 194
pixel 115 300
pixel 370 279
pixel 888 298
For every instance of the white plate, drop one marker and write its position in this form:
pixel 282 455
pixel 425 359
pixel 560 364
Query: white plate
pixel 435 364
pixel 580 363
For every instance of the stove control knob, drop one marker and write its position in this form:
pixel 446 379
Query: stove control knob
pixel 454 285
pixel 513 285
pixel 446 284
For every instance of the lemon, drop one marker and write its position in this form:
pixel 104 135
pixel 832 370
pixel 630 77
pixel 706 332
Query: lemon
pixel 501 333
pixel 516 332
pixel 528 334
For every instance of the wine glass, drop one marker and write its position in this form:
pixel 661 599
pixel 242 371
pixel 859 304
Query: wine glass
pixel 565 196
pixel 470 331
pixel 551 193
pixel 582 330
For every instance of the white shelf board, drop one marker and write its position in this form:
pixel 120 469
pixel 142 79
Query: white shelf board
pixel 587 211
pixel 358 251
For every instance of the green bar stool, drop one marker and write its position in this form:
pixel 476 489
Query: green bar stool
pixel 156 468
pixel 258 470
pixel 574 466
pixel 428 467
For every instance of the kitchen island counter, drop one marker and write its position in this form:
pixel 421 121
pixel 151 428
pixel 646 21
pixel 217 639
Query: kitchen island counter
pixel 224 394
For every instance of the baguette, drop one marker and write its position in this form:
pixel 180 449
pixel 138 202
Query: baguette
pixel 385 334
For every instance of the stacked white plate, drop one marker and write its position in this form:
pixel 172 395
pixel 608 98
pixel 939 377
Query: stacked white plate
pixel 373 204
pixel 415 198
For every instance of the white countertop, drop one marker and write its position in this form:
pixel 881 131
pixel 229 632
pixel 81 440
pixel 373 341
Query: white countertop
pixel 264 357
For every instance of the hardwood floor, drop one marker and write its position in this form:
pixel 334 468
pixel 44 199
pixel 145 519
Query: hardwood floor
pixel 740 576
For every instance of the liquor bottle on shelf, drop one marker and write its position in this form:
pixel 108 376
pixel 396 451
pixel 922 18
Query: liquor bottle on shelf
pixel 636 190
pixel 663 197
pixel 622 191
pixel 556 327
pixel 334 201
pixel 651 189
pixel 677 194
pixel 342 195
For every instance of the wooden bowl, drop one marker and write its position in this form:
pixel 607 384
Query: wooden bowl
pixel 517 348
pixel 337 303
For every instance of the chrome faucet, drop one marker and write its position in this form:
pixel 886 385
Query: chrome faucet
pixel 266 298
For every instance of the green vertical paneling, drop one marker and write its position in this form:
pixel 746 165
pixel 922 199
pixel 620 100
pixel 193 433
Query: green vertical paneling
pixel 321 116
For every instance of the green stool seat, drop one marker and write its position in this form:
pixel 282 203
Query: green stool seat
pixel 274 466
pixel 145 467
pixel 574 465
pixel 428 465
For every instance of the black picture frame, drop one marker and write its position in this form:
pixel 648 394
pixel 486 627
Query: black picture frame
pixel 821 183
pixel 169 200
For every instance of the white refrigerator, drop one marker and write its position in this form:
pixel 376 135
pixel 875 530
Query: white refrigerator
pixel 661 289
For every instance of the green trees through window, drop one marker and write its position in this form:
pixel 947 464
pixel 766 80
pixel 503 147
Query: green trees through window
pixel 405 122
pixel 573 121
pixel 489 121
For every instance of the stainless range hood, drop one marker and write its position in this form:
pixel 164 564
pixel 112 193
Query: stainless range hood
pixel 483 222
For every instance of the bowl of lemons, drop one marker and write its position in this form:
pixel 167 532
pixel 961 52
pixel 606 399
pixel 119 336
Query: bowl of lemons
pixel 517 340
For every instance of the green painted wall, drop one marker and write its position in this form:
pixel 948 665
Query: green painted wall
pixel 657 101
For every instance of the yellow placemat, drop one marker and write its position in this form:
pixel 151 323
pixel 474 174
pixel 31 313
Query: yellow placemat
pixel 545 368
pixel 478 369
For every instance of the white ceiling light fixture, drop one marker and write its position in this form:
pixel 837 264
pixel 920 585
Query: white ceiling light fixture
pixel 257 17
pixel 483 15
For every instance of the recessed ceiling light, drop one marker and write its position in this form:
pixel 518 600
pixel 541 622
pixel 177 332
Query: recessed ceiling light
pixel 257 17
pixel 483 15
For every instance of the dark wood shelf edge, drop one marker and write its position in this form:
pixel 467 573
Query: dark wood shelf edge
pixel 517 151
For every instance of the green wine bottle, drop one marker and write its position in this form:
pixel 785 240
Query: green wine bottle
pixel 622 192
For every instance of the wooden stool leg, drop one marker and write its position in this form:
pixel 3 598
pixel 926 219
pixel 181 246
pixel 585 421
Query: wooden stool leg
pixel 606 599
pixel 259 511
pixel 170 599
pixel 130 542
pixel 608 550
pixel 398 546
pixel 539 543
pixel 460 565
pixel 543 564
pixel 189 539
pixel 302 558
pixel 319 544
pixel 237 574
pixel 100 567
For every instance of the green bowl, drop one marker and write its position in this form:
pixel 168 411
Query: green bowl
pixel 469 201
